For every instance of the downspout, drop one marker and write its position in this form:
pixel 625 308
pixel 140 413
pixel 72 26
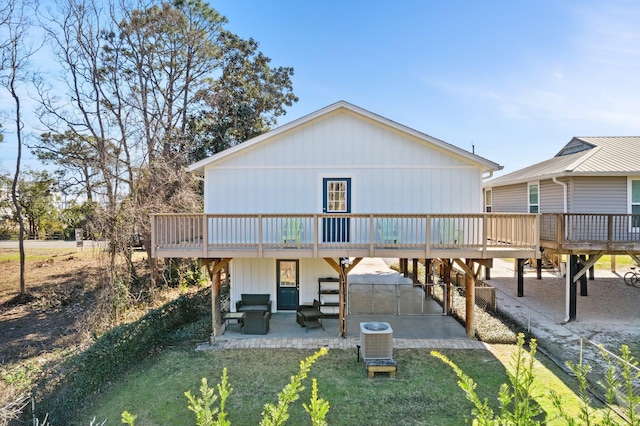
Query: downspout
pixel 565 189
pixel 567 289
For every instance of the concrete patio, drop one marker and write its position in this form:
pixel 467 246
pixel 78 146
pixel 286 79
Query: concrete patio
pixel 409 332
pixel 421 324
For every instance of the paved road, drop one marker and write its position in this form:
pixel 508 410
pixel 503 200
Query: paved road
pixel 52 244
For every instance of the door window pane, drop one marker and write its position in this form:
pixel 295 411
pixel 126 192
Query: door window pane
pixel 288 273
pixel 337 196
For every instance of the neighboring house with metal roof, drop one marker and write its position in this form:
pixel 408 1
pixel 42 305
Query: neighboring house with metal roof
pixel 588 198
pixel 588 175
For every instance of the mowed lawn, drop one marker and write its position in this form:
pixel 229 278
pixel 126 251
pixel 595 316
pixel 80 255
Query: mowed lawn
pixel 424 391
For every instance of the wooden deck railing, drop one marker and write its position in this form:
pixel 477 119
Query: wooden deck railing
pixel 354 235
pixel 612 232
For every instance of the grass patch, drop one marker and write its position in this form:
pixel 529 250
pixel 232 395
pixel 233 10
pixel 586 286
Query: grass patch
pixel 34 255
pixel 423 392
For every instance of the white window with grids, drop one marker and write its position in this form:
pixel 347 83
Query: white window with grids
pixel 337 196
pixel 488 199
pixel 534 197
pixel 634 202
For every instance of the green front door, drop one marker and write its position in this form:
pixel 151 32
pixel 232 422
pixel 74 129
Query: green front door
pixel 288 284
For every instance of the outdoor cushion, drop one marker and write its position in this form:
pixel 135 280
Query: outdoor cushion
pixel 246 308
pixel 253 302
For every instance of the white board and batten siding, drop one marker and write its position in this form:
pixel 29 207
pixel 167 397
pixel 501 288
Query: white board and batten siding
pixel 393 169
pixel 259 276
pixel 391 172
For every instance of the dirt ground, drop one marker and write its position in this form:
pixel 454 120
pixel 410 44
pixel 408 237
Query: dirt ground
pixel 61 286
pixel 609 315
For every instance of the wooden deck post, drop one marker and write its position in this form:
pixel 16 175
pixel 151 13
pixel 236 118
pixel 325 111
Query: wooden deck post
pixel 539 268
pixel 469 284
pixel 573 270
pixel 343 270
pixel 520 263
pixel 583 278
pixel 214 268
pixel 414 274
pixel 216 315
pixel 446 266
pixel 428 279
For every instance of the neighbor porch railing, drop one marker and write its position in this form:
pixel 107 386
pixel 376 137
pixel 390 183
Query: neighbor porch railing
pixel 320 234
pixel 612 230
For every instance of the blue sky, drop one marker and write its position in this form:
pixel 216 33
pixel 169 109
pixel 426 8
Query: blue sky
pixel 517 80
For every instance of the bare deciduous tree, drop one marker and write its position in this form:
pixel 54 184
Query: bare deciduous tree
pixel 15 53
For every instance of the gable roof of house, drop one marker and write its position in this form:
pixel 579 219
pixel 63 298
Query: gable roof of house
pixel 487 165
pixel 604 156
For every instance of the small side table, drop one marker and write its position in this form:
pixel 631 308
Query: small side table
pixel 227 316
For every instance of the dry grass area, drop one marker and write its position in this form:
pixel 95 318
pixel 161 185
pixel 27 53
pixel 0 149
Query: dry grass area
pixel 64 306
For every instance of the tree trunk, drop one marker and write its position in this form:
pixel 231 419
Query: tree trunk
pixel 14 192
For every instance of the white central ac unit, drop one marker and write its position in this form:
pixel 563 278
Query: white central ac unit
pixel 376 340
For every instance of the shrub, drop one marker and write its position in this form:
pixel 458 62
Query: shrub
pixel 117 350
pixel 517 400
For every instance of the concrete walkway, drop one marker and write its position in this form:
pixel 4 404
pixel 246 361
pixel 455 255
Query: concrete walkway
pixel 336 343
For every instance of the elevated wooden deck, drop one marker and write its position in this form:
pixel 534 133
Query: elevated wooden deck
pixel 590 233
pixel 470 236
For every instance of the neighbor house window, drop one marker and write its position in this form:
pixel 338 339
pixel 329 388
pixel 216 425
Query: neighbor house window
pixel 635 202
pixel 487 200
pixel 534 198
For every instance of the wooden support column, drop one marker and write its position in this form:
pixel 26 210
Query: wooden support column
pixel 214 269
pixel 583 279
pixel 470 291
pixel 343 269
pixel 573 270
pixel 470 299
pixel 342 309
pixel 428 279
pixel 414 274
pixel 539 268
pixel 446 266
pixel 487 273
pixel 520 263
pixel 591 271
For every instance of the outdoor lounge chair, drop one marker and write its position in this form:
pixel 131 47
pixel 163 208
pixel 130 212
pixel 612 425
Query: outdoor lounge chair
pixel 449 233
pixel 388 232
pixel 255 322
pixel 291 232
pixel 310 316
